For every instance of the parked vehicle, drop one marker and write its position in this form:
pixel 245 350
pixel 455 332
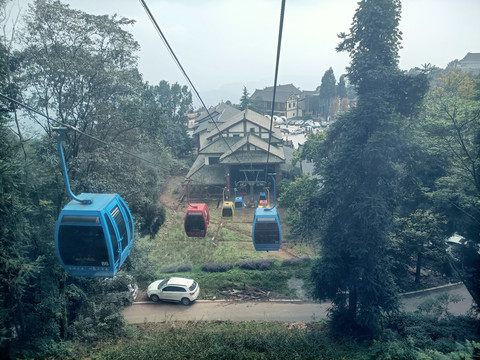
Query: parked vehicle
pixel 175 289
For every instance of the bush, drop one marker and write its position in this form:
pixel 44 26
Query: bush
pixel 169 270
pixel 216 267
pixel 184 268
pixel 427 332
pixel 295 261
pixel 262 264
pixel 175 269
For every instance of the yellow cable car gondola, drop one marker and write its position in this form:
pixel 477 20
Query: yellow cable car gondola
pixel 228 207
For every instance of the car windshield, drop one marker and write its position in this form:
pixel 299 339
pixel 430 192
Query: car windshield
pixel 162 283
pixel 193 286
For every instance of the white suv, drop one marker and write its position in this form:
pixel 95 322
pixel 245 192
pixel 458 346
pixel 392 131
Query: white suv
pixel 174 289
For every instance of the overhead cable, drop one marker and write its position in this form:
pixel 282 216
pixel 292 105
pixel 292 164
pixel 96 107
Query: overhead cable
pixel 29 108
pixel 172 53
pixel 282 13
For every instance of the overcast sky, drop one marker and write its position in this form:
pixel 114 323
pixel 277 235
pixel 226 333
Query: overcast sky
pixel 224 45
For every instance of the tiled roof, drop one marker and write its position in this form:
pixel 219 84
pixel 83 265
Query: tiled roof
pixel 207 175
pixel 283 92
pixel 475 57
pixel 221 113
pixel 219 146
pixel 251 116
pixel 233 156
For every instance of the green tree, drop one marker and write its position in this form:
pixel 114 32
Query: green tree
pixel 82 70
pixel 341 89
pixel 327 90
pixel 364 151
pixel 244 100
pixel 164 109
pixel 453 123
pixel 298 197
pixel 419 235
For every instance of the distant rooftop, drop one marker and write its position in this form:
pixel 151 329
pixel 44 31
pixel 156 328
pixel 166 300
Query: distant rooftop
pixel 282 93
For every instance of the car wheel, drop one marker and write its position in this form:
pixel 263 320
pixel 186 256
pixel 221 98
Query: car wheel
pixel 154 298
pixel 185 301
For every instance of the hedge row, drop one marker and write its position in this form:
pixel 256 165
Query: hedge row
pixel 216 267
pixel 179 268
pixel 263 264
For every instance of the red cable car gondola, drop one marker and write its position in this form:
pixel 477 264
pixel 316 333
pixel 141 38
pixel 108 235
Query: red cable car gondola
pixel 197 218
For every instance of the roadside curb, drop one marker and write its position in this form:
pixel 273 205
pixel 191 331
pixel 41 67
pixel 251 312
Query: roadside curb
pixel 431 290
pixel 238 301
pixel 298 301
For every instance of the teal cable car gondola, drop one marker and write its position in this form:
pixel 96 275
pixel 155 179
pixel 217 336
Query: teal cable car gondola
pixel 266 230
pixel 238 201
pixel 94 232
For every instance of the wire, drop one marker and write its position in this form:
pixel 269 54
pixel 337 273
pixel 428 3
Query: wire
pixel 77 130
pixel 282 14
pixel 172 53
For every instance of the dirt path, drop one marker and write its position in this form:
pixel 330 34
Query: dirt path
pixel 171 197
pixel 172 193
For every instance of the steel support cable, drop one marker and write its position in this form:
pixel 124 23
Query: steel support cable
pixel 29 108
pixel 282 14
pixel 172 53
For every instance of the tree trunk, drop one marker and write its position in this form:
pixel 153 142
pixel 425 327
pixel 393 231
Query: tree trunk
pixel 64 316
pixel 418 268
pixel 352 303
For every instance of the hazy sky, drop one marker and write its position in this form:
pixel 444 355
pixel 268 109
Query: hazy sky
pixel 224 45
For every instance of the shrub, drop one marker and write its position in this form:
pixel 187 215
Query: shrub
pixel 295 261
pixel 216 267
pixel 153 217
pixel 184 268
pixel 262 264
pixel 179 268
pixel 169 270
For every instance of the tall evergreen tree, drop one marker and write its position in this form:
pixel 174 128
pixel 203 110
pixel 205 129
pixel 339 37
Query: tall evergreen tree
pixel 363 151
pixel 244 100
pixel 327 91
pixel 341 89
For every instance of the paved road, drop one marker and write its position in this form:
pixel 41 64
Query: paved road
pixel 225 310
pixel 274 311
pixel 410 303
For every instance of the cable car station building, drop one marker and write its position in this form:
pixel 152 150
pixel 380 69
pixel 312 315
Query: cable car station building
pixel 234 151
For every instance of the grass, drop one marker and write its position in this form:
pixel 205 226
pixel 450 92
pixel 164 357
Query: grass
pixel 273 280
pixel 274 340
pixel 227 241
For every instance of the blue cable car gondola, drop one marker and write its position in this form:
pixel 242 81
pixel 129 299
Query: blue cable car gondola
pixel 238 201
pixel 266 230
pixel 94 232
pixel 262 196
